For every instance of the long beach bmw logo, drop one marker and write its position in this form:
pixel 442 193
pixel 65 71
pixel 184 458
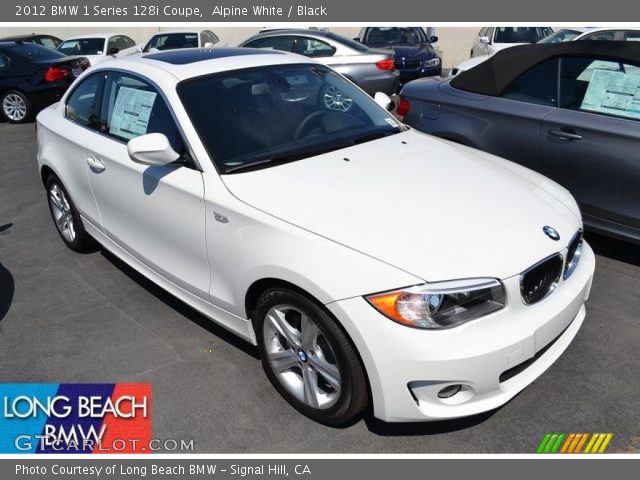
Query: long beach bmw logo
pixel 551 232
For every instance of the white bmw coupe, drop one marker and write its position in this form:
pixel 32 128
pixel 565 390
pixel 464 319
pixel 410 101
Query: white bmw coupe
pixel 368 262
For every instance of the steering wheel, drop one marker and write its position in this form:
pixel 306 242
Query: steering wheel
pixel 305 126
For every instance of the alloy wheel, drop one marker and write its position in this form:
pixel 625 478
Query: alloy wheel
pixel 14 107
pixel 335 99
pixel 301 357
pixel 62 213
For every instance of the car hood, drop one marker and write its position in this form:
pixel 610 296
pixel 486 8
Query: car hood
pixel 429 207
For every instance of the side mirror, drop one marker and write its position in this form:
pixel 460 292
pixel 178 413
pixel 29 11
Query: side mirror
pixel 140 47
pixel 208 45
pixel 152 149
pixel 357 39
pixel 113 51
pixel 384 101
pixel 433 39
pixel 484 40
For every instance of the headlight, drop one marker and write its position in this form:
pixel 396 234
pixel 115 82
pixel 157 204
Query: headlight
pixel 441 305
pixel 434 62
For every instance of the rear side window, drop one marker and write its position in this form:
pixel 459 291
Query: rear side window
pixel 310 47
pixel 132 107
pixel 83 104
pixel 600 86
pixel 284 43
pixel 171 41
pixel 539 85
pixel 631 35
pixel 357 46
pixel 48 42
pixel 604 35
pixel 33 52
pixel 209 37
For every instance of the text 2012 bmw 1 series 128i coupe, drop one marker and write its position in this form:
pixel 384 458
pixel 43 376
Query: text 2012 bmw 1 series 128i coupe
pixel 368 262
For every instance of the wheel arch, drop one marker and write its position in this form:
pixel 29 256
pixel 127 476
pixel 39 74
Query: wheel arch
pixel 258 287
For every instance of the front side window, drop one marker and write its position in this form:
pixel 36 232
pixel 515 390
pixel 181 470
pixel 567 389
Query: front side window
pixel 538 85
pixel 83 105
pixel 310 47
pixel 132 107
pixel 600 86
pixel 284 43
pixel 521 34
pixel 83 46
pixel 564 35
pixel 262 116
pixel 631 35
pixel 602 35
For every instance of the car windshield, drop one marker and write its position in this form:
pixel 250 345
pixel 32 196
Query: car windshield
pixel 82 46
pixel 521 34
pixel 264 116
pixel 172 41
pixel 564 35
pixel 34 52
pixel 392 35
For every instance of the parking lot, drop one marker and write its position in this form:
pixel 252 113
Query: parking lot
pixel 66 317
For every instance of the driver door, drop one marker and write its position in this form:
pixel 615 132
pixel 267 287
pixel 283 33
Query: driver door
pixel 156 214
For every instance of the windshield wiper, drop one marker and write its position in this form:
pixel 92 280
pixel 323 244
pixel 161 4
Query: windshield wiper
pixel 281 159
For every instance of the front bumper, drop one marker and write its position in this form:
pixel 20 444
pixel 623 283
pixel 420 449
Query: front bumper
pixel 408 367
pixel 407 75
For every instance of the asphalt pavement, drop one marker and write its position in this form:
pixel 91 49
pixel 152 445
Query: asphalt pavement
pixel 68 317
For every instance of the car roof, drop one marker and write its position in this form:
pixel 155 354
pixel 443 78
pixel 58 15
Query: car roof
pixel 291 31
pixel 169 32
pixel 194 62
pixel 493 76
pixel 94 35
pixel 9 38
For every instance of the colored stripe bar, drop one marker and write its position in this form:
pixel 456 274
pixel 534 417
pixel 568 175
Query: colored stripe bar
pixel 543 443
pixel 555 447
pixel 605 443
pixel 567 442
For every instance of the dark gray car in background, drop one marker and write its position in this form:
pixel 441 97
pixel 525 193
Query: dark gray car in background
pixel 372 70
pixel 570 111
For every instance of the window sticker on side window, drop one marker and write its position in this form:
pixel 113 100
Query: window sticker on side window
pixel 613 93
pixel 131 112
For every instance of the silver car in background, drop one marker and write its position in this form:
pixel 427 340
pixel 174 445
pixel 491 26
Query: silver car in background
pixel 372 70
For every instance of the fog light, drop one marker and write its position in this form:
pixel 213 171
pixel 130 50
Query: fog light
pixel 449 391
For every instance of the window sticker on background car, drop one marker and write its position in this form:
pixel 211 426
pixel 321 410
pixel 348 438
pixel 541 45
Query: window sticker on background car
pixel 131 112
pixel 614 93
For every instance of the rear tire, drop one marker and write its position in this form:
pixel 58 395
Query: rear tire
pixel 66 217
pixel 309 359
pixel 16 107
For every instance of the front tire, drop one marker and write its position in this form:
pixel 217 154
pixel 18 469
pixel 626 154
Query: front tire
pixel 66 217
pixel 16 107
pixel 309 359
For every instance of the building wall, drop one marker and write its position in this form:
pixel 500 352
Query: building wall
pixel 454 42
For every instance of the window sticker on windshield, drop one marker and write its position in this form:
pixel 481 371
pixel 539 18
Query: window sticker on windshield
pixel 131 112
pixel 614 93
pixel 392 122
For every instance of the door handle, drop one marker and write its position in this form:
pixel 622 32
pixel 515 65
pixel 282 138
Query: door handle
pixel 96 166
pixel 566 135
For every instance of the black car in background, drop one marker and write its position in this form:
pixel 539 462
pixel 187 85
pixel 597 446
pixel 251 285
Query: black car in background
pixel 570 111
pixel 414 55
pixel 48 41
pixel 33 77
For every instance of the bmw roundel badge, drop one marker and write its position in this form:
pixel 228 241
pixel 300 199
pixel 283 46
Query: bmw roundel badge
pixel 551 232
